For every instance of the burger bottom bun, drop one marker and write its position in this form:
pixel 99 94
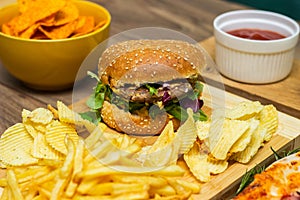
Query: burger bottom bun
pixel 132 124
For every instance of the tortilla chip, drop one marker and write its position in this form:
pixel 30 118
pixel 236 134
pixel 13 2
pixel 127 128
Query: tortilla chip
pixel 39 10
pixel 87 25
pixel 6 28
pixel 67 14
pixel 25 4
pixel 59 32
pixel 28 33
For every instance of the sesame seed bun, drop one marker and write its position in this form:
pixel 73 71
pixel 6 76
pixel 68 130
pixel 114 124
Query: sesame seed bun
pixel 140 125
pixel 126 66
pixel 149 61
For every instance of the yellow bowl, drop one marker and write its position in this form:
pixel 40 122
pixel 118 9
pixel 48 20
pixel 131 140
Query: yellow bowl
pixel 50 64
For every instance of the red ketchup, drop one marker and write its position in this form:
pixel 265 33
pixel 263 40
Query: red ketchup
pixel 256 34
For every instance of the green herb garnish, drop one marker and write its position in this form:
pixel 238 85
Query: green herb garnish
pixel 96 100
pixel 152 90
pixel 180 113
pixel 248 177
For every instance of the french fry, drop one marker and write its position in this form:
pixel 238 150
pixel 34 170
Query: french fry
pixel 85 185
pixel 115 188
pixel 153 181
pixel 5 194
pixel 194 187
pixel 94 136
pixel 12 183
pixel 166 190
pixel 45 179
pixel 179 188
pixel 33 174
pixel 77 167
pixel 67 167
pixel 58 189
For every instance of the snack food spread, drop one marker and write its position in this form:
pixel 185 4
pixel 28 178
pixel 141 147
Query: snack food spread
pixel 139 81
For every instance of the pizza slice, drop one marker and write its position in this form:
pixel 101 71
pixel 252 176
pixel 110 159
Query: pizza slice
pixel 280 181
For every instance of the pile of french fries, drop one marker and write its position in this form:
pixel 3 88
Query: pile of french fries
pixel 97 167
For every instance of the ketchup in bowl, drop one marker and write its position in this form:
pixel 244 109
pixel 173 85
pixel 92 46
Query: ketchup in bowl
pixel 256 34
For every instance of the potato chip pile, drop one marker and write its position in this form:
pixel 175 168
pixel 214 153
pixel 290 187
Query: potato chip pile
pixel 49 19
pixel 44 158
pixel 234 134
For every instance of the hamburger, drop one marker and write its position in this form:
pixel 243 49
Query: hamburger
pixel 143 84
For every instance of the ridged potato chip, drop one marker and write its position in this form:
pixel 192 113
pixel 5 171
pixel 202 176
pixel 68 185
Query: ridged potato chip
pixel 163 152
pixel 196 160
pixel 244 110
pixel 231 131
pixel 256 142
pixel 40 115
pixel 165 139
pixel 216 166
pixel 67 115
pixel 30 129
pixel 203 129
pixel 187 133
pixel 245 139
pixel 42 150
pixel 269 119
pixel 15 146
pixel 56 133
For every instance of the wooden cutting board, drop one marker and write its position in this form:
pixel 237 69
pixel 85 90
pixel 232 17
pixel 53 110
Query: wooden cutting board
pixel 224 185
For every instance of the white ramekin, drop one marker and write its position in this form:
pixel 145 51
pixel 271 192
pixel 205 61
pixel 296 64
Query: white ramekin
pixel 255 61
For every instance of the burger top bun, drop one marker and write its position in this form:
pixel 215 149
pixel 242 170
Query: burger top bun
pixel 149 61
